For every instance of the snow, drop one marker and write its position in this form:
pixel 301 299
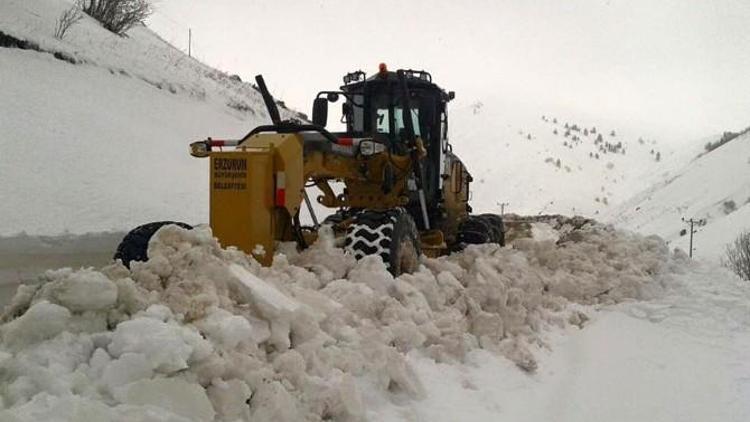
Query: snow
pixel 512 153
pixel 104 143
pixel 128 368
pixel 681 357
pixel 167 347
pixel 574 323
pixel 42 321
pixel 199 331
pixel 263 294
pixel 87 291
pixel 698 190
pixel 172 394
pixel 544 232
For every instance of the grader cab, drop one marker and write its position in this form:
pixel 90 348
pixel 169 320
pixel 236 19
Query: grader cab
pixel 404 191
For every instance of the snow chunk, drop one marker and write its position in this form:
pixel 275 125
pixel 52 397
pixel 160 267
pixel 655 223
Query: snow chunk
pixel 271 402
pixel 263 294
pixel 166 346
pixel 85 290
pixel 228 330
pixel 128 368
pixel 544 232
pixel 46 407
pixel 173 394
pixel 230 399
pixel 274 305
pixel 42 321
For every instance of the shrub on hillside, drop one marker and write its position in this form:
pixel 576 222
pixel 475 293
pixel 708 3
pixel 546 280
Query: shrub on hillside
pixel 118 16
pixel 726 137
pixel 729 206
pixel 738 256
pixel 67 19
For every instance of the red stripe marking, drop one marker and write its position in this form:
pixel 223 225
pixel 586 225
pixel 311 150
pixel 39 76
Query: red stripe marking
pixel 346 141
pixel 280 197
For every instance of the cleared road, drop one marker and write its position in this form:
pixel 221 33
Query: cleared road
pixel 23 258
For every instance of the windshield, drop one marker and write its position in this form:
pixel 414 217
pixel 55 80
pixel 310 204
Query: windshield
pixel 387 115
pixel 383 120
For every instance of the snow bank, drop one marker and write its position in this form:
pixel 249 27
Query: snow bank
pixel 200 332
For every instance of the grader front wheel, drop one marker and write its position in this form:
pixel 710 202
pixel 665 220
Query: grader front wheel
pixel 134 246
pixel 390 234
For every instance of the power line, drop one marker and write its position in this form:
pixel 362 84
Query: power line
pixel 692 222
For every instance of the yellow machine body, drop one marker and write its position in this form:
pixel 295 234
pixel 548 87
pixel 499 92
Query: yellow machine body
pixel 256 189
pixel 405 193
pixel 257 185
pixel 253 191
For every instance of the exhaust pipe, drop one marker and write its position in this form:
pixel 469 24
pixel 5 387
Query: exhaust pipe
pixel 273 111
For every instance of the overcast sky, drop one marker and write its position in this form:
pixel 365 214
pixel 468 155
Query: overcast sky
pixel 681 67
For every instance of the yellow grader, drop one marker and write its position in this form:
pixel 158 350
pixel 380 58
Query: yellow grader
pixel 405 193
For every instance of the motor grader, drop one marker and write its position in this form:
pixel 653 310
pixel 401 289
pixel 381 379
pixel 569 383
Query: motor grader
pixel 397 188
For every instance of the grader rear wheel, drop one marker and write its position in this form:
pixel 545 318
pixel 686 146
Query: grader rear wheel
pixel 495 222
pixel 480 229
pixel 390 234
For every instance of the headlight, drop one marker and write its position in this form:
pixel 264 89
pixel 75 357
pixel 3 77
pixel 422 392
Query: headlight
pixel 370 147
pixel 199 149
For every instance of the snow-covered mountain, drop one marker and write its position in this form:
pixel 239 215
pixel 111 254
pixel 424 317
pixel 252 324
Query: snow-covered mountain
pixel 95 127
pixel 714 189
pixel 101 135
pixel 548 162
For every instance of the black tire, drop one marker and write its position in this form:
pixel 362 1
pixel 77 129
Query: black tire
pixel 495 222
pixel 390 234
pixel 337 217
pixel 474 231
pixel 481 229
pixel 134 246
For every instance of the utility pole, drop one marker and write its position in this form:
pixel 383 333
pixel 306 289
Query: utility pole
pixel 502 207
pixel 190 42
pixel 693 222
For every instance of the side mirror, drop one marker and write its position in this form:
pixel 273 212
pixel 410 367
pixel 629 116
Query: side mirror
pixel 346 109
pixel 320 112
pixel 451 95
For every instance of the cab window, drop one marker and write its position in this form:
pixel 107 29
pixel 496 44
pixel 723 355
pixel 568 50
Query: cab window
pixel 382 120
pixel 399 120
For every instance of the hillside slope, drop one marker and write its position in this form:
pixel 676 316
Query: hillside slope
pixel 555 163
pixel 95 128
pixel 715 187
pixel 98 125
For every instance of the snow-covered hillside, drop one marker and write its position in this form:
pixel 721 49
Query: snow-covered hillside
pixel 531 160
pixel 102 142
pixel 714 187
pixel 101 145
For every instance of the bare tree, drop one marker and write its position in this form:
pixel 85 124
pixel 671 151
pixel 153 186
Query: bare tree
pixel 738 256
pixel 67 19
pixel 118 16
